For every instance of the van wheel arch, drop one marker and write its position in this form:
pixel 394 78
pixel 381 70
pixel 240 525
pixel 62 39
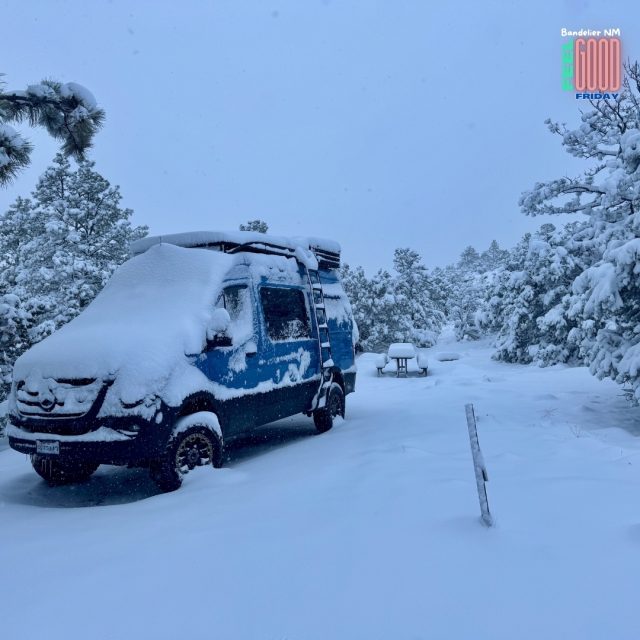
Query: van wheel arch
pixel 201 401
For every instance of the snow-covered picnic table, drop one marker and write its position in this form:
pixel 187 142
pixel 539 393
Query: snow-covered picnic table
pixel 402 353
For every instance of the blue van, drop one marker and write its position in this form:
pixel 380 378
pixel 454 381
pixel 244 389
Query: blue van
pixel 196 340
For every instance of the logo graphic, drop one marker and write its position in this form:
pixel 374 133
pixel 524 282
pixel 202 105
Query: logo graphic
pixel 592 63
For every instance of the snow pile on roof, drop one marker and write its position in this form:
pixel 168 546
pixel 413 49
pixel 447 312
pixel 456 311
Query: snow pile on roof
pixel 204 238
pixel 154 311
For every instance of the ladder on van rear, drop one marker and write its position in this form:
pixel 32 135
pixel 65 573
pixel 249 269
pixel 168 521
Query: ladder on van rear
pixel 324 339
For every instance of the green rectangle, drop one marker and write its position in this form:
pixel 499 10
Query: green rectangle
pixel 567 65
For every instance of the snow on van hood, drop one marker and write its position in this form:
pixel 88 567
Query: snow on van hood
pixel 152 313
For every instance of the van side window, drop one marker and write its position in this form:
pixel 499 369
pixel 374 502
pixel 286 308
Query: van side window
pixel 285 313
pixel 237 301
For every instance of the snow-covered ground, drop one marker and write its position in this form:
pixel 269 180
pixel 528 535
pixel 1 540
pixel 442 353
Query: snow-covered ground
pixel 369 531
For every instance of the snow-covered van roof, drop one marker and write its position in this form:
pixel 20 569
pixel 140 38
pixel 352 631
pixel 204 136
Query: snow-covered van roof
pixel 327 252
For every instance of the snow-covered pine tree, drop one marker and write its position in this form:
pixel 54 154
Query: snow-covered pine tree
pixel 506 312
pixel 413 304
pixel 467 284
pixel 260 226
pixel 420 318
pixel 68 112
pixel 493 257
pixel 388 323
pixel 15 320
pixel 358 290
pixel 374 307
pixel 58 250
pixel 14 339
pixel 469 259
pixel 605 300
pixel 466 296
pixel 529 298
pixel 441 288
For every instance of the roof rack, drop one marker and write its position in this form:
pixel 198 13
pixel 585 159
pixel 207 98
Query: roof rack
pixel 327 252
pixel 326 259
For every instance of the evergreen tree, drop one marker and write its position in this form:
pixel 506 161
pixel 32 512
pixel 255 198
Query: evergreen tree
pixel 467 285
pixel 394 308
pixel 359 291
pixel 68 112
pixel 388 323
pixel 507 309
pixel 493 257
pixel 604 301
pixel 441 288
pixel 260 226
pixel 465 298
pixel 529 298
pixel 469 259
pixel 420 318
pixel 58 250
pixel 14 339
pixel 374 307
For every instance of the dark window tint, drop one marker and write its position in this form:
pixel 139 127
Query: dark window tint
pixel 285 313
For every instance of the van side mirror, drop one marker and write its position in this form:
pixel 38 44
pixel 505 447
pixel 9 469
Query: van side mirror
pixel 217 332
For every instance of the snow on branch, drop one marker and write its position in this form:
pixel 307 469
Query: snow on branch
pixel 610 133
pixel 69 113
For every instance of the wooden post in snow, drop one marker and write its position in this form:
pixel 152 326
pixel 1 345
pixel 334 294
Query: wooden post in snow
pixel 478 465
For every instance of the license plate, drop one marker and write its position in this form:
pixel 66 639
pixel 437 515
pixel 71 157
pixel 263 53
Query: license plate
pixel 51 448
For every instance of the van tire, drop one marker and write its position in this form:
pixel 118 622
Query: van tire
pixel 59 472
pixel 334 407
pixel 194 447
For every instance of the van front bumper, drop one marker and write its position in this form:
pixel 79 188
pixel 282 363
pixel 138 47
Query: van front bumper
pixel 105 445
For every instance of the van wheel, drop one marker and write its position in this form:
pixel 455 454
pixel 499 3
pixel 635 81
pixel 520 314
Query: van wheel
pixel 57 472
pixel 195 447
pixel 334 407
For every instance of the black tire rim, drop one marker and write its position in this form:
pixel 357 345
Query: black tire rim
pixel 195 450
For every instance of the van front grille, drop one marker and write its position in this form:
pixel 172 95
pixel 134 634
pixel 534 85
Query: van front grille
pixel 56 397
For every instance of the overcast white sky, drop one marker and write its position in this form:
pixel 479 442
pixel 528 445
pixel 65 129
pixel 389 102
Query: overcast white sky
pixel 377 123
